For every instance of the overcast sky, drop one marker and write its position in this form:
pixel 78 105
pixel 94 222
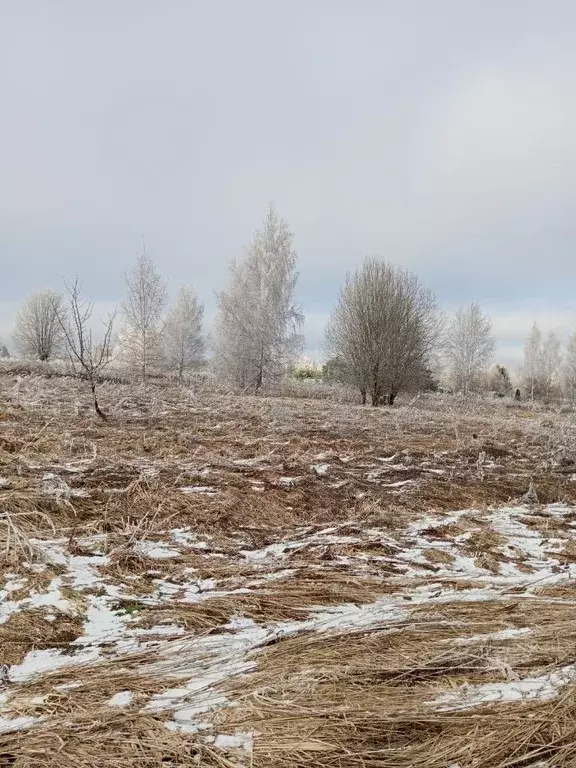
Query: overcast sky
pixel 438 135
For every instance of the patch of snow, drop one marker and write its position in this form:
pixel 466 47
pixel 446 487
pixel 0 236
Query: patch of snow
pixel 53 598
pixel 183 727
pixel 528 689
pixel 14 586
pixel 272 550
pixel 163 629
pixel 155 550
pixel 241 740
pixel 188 538
pixel 289 482
pixel 120 699
pixel 504 634
pixel 8 724
pixel 81 569
pixel 41 662
pixel 208 489
pixel 103 625
pixel 240 622
pixel 321 469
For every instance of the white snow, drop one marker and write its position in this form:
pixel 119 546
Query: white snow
pixel 240 740
pixel 208 489
pixel 530 688
pixel 41 662
pixel 8 724
pixel 155 550
pixel 504 634
pixel 103 625
pixel 121 699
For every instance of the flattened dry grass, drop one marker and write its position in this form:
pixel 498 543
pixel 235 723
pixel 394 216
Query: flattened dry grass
pixel 360 698
pixel 105 738
pixel 36 629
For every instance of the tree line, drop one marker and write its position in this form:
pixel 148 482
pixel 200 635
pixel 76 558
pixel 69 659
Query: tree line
pixel 386 334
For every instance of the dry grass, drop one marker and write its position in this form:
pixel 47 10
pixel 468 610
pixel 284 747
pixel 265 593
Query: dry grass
pixel 333 697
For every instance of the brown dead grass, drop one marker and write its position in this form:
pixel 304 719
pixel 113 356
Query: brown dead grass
pixel 32 630
pixel 323 700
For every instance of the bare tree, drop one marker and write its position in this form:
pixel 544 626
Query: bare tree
pixel 383 330
pixel 533 361
pixel 184 344
pixel 551 360
pixel 569 369
pixel 469 346
pixel 258 324
pixel 88 358
pixel 37 332
pixel 143 307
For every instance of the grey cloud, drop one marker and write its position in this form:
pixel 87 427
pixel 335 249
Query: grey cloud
pixel 438 135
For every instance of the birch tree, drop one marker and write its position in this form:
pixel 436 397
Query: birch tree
pixel 184 344
pixel 569 369
pixel 145 300
pixel 533 361
pixel 37 332
pixel 551 360
pixel 258 324
pixel 383 330
pixel 469 346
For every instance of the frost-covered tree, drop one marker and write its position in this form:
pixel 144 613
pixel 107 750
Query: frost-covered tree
pixel 533 369
pixel 258 323
pixel 499 381
pixel 145 300
pixel 469 346
pixel 551 360
pixel 569 369
pixel 184 343
pixel 383 330
pixel 37 333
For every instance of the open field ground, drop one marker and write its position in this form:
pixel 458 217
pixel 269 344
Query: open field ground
pixel 217 581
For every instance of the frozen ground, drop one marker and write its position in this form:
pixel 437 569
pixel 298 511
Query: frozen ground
pixel 261 582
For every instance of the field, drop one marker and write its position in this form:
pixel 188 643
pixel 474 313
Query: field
pixel 206 580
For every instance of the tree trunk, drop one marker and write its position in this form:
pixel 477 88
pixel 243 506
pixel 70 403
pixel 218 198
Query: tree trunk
pixel 363 394
pixel 391 398
pixel 260 374
pixel 96 406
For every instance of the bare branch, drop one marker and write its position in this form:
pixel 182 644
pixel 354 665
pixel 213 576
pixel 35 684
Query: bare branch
pixel 37 332
pixel 87 358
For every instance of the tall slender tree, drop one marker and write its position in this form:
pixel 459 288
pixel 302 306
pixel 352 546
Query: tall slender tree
pixel 258 324
pixel 551 360
pixel 533 362
pixel 469 346
pixel 184 343
pixel 569 369
pixel 145 300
